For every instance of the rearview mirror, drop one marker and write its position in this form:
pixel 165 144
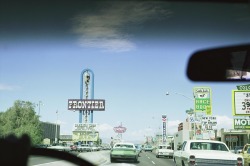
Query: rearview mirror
pixel 220 64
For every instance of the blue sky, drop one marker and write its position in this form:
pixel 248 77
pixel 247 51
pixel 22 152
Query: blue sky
pixel 134 68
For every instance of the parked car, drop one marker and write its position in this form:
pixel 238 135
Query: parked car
pixel 60 147
pixel 123 151
pixel 205 152
pixel 238 149
pixel 148 148
pixel 94 148
pixel 246 154
pixel 164 151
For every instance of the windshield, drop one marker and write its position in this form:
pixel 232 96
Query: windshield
pixel 108 72
pixel 207 146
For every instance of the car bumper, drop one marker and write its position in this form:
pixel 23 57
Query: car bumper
pixel 165 154
pixel 123 157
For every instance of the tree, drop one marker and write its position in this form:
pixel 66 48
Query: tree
pixel 19 119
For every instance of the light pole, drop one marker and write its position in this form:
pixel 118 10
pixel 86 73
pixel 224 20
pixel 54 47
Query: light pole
pixel 56 126
pixel 39 105
pixel 193 112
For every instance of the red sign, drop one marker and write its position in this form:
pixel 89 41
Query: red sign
pixel 120 129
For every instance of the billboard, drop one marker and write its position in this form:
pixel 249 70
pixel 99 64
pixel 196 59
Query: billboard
pixel 242 124
pixel 241 102
pixel 203 101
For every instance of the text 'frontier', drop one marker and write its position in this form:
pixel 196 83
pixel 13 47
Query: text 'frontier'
pixel 88 104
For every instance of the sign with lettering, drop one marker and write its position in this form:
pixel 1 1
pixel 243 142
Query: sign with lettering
pixel 243 87
pixel 242 124
pixel 84 127
pixel 164 133
pixel 209 123
pixel 202 97
pixel 241 102
pixel 86 104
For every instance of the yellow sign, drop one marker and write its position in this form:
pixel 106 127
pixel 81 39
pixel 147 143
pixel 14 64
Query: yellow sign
pixel 208 110
pixel 85 136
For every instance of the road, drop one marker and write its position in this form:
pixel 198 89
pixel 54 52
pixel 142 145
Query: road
pixel 102 158
pixel 148 159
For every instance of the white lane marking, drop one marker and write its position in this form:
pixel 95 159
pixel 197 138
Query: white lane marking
pixel 153 162
pixel 149 158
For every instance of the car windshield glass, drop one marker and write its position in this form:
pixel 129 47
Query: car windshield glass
pixel 115 72
pixel 207 146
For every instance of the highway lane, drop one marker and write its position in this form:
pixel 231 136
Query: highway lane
pixel 149 158
pixel 145 159
pixel 48 161
pixel 103 158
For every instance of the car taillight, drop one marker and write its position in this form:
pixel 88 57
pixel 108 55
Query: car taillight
pixel 239 161
pixel 192 160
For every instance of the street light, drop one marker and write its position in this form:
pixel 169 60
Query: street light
pixel 56 126
pixel 39 105
pixel 192 99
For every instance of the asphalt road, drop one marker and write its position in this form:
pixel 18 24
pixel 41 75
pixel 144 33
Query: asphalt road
pixel 103 158
pixel 147 159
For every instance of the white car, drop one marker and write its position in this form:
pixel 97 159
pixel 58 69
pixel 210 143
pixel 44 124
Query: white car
pixel 205 152
pixel 84 148
pixel 164 151
pixel 60 148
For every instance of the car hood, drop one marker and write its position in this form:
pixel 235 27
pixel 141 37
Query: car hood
pixel 214 154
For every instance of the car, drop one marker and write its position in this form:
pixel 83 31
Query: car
pixel 84 148
pixel 246 154
pixel 138 149
pixel 164 151
pixel 148 148
pixel 106 147
pixel 124 151
pixel 94 148
pixel 60 147
pixel 138 51
pixel 73 147
pixel 41 146
pixel 238 149
pixel 205 152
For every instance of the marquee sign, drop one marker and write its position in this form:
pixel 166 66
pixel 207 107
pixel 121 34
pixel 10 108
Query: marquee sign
pixel 84 127
pixel 86 104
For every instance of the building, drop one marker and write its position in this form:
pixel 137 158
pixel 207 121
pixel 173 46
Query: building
pixel 51 132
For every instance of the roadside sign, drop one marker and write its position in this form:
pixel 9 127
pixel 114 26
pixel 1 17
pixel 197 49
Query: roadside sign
pixel 86 104
pixel 193 119
pixel 243 87
pixel 209 123
pixel 242 124
pixel 202 97
pixel 241 102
